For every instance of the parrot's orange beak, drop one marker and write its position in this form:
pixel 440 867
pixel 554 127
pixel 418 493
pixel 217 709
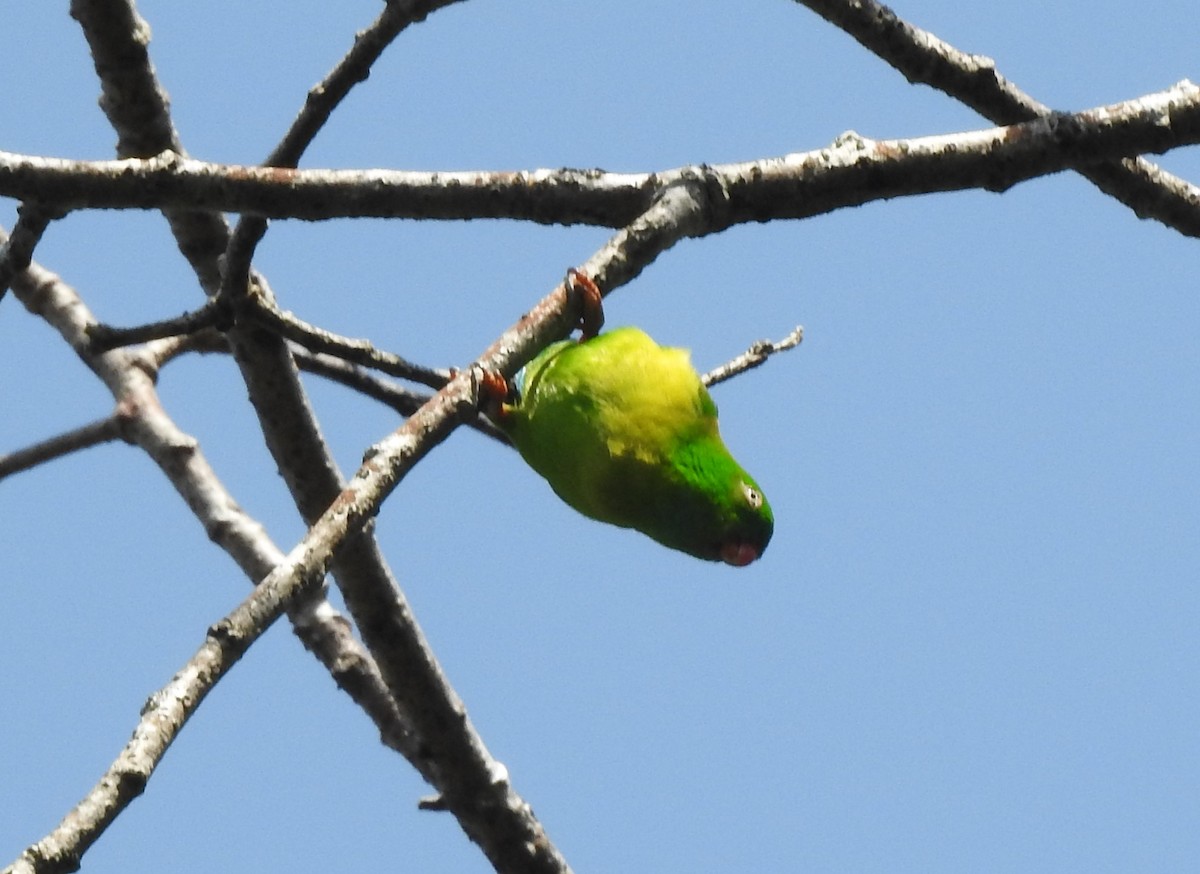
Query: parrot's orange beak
pixel 738 553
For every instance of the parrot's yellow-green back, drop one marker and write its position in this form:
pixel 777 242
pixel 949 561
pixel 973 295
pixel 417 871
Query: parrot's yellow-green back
pixel 625 432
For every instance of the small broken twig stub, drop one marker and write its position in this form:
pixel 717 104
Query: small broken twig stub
pixel 756 355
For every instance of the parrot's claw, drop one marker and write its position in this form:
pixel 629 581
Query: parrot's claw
pixel 493 392
pixel 591 318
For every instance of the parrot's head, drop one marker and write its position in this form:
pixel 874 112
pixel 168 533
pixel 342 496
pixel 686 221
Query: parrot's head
pixel 749 524
pixel 723 515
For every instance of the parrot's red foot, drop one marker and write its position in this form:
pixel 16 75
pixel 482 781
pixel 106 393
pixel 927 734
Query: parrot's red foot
pixel 591 307
pixel 493 392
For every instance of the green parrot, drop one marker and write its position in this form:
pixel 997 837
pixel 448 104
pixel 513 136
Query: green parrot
pixel 625 432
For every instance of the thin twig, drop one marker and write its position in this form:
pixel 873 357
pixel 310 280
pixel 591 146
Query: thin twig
pixel 93 434
pixel 352 69
pixel 320 103
pixel 403 400
pixel 753 357
pixel 214 314
pixel 204 341
pixel 264 311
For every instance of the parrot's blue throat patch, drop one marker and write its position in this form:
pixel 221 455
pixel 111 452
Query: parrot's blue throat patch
pixel 517 386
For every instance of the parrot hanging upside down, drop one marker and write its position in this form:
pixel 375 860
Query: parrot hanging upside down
pixel 625 432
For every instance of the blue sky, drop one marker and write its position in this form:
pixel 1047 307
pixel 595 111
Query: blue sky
pixel 971 645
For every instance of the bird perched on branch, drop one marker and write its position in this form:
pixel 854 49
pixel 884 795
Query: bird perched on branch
pixel 625 432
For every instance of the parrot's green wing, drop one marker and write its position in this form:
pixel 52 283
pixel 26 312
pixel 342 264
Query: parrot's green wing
pixel 625 432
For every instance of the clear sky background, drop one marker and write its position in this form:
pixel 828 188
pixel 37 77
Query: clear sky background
pixel 972 644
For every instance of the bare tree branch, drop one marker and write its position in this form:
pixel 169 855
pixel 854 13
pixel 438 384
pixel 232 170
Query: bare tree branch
pixel 93 434
pixel 135 104
pixel 216 313
pixel 362 352
pixel 1147 189
pixel 16 253
pixel 403 400
pixel 369 45
pixel 169 181
pixel 793 186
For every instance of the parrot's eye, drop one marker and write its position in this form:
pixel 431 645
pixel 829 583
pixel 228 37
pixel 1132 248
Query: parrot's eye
pixel 752 495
